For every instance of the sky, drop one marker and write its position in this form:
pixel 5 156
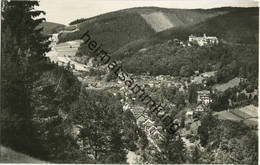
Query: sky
pixel 65 11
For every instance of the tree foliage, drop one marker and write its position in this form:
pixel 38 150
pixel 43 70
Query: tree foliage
pixel 22 47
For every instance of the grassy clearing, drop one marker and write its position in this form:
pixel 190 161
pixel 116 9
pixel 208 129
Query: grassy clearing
pixel 232 83
pixel 249 115
pixel 246 112
pixel 225 115
pixel 251 110
pixel 252 121
pixel 242 115
pixel 158 21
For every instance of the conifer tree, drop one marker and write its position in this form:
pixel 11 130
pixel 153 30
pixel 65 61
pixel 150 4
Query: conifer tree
pixel 22 48
pixel 22 19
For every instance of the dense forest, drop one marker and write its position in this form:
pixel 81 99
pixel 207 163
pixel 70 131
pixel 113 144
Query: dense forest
pixel 171 58
pixel 43 104
pixel 226 142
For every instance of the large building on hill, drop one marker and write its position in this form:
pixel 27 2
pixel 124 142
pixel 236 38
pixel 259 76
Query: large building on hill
pixel 205 40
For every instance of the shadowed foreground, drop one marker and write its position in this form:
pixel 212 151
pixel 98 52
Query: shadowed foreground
pixel 8 155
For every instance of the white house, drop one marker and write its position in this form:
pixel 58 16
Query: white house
pixel 126 107
pixel 204 97
pixel 205 40
pixel 189 114
pixel 199 108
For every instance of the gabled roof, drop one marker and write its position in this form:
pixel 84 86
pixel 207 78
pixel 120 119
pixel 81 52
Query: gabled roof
pixel 141 115
pixel 140 119
pixel 199 106
pixel 148 121
pixel 152 129
pixel 189 113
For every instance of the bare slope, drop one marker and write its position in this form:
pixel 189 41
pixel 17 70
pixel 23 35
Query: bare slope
pixel 158 21
pixel 161 19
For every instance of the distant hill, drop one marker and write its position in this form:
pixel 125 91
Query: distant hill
pixel 176 16
pixel 119 28
pixel 240 26
pixel 237 30
pixel 124 33
pixel 50 27
pixel 112 30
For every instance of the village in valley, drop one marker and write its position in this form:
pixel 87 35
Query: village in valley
pixel 141 85
pixel 188 119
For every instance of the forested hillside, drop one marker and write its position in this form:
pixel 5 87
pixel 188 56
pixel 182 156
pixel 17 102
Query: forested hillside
pixel 43 105
pixel 240 26
pixel 117 29
pixel 124 38
pixel 236 54
pixel 178 17
pixel 113 31
pixel 50 27
pixel 171 58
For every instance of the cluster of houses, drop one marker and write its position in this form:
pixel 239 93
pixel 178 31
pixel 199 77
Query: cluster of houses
pixel 68 65
pixel 156 82
pixel 203 100
pixel 193 114
pixel 202 41
pixel 142 118
pixel 150 128
pixel 144 121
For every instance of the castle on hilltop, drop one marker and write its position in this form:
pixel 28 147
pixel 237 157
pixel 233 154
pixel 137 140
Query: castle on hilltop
pixel 205 40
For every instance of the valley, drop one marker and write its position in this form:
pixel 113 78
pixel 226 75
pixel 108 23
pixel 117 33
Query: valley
pixel 65 55
pixel 63 105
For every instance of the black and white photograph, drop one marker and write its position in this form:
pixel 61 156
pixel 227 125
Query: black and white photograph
pixel 129 82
